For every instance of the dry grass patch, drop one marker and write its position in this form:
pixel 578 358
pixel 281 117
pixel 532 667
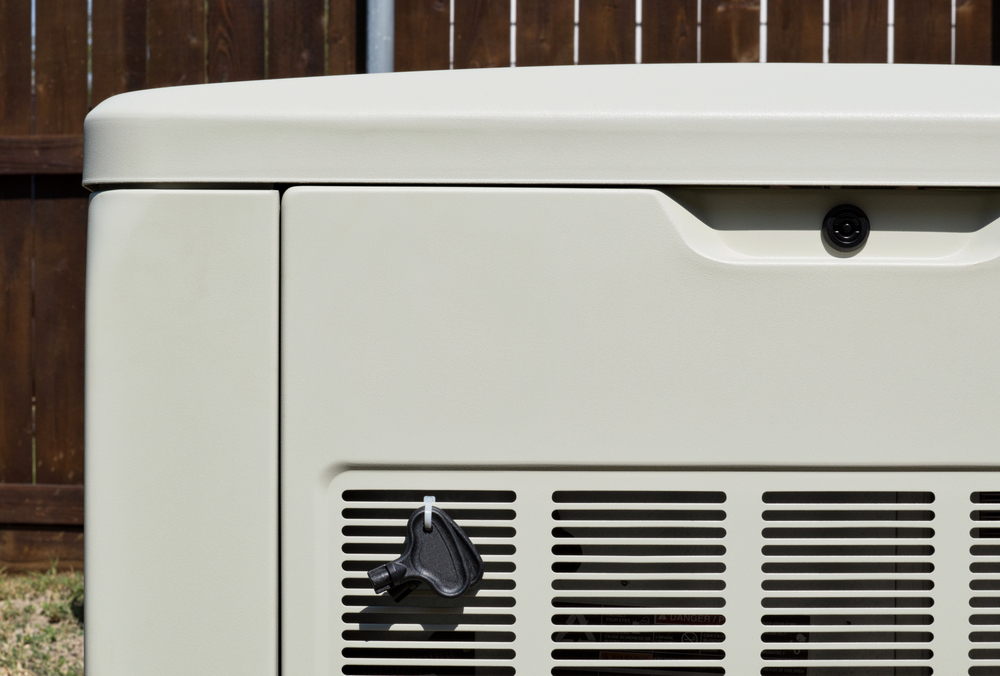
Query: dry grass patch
pixel 39 635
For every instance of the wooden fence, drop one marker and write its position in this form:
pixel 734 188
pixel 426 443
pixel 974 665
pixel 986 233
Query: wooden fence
pixel 58 65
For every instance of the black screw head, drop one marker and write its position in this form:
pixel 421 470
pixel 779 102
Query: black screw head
pixel 846 227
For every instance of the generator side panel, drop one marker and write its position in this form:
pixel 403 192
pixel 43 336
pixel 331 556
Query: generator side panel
pixel 182 432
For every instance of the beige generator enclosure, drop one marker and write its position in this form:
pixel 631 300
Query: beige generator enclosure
pixel 701 359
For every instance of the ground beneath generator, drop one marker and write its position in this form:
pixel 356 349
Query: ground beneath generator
pixel 39 633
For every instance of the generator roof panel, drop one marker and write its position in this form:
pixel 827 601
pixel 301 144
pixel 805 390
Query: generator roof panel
pixel 695 124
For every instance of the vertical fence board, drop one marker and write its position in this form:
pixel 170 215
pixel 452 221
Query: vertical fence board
pixel 235 40
pixel 15 329
pixel 176 42
pixel 15 249
pixel 118 54
pixel 296 38
pixel 544 32
pixel 60 244
pixel 422 35
pixel 60 66
pixel 607 31
pixel 795 31
pixel 15 67
pixel 669 31
pixel 342 37
pixel 730 30
pixel 974 32
pixel 859 31
pixel 923 31
pixel 482 33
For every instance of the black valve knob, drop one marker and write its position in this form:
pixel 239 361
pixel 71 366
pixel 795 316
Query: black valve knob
pixel 443 557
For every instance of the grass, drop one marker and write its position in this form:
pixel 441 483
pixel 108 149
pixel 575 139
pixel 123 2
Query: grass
pixel 39 635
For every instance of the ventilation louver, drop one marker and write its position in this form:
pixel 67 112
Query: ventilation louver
pixel 846 582
pixel 638 582
pixel 424 634
pixel 678 574
pixel 985 602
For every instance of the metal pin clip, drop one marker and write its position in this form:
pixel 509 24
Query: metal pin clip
pixel 428 504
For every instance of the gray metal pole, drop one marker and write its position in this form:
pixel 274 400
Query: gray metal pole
pixel 381 35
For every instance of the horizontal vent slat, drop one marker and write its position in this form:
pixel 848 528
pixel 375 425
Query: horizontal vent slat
pixel 597 630
pixel 847 531
pixel 846 584
pixel 640 617
pixel 499 566
pixel 378 512
pixel 847 515
pixel 423 616
pixel 632 661
pixel 629 551
pixel 633 586
pixel 815 669
pixel 425 627
pixel 859 498
pixel 376 669
pixel 643 532
pixel 628 513
pixel 451 496
pixel 842 551
pixel 362 541
pixel 891 667
pixel 867 567
pixel 429 643
pixel 675 645
pixel 625 499
pixel 625 592
pixel 860 617
pixel 428 661
pixel 847 636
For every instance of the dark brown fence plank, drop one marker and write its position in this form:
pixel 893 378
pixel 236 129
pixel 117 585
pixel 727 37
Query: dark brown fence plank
pixel 176 42
pixel 482 33
pixel 342 37
pixel 25 549
pixel 60 245
pixel 422 35
pixel 15 67
pixel 859 31
pixel 974 32
pixel 795 31
pixel 60 66
pixel 15 328
pixel 118 55
pixel 730 30
pixel 607 31
pixel 235 40
pixel 296 38
pixel 544 32
pixel 669 31
pixel 54 505
pixel 15 249
pixel 43 154
pixel 923 32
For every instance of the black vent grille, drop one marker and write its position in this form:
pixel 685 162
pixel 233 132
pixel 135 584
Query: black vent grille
pixel 425 634
pixel 847 585
pixel 638 585
pixel 985 585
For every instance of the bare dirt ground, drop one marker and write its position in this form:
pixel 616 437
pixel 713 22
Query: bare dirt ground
pixel 39 634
